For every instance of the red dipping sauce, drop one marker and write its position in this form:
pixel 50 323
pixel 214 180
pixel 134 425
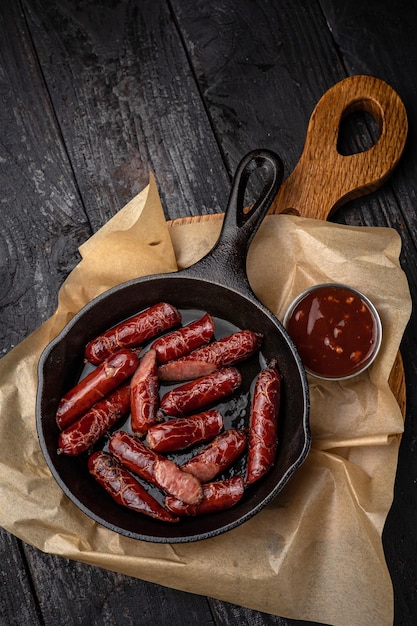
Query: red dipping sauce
pixel 336 329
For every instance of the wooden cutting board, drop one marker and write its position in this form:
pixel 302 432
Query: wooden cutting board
pixel 324 179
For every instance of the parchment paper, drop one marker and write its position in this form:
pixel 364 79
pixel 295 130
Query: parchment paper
pixel 315 553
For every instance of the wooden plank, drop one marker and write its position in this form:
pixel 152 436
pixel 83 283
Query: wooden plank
pixel 127 103
pixel 74 593
pixel 254 63
pixel 17 601
pixel 227 613
pixel 41 219
pixel 385 29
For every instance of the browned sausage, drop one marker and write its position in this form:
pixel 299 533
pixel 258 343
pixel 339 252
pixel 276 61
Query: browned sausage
pixel 263 424
pixel 218 455
pixel 180 342
pixel 194 395
pixel 95 386
pixel 154 468
pixel 124 488
pixel 222 353
pixel 144 394
pixel 134 331
pixel 182 432
pixel 89 428
pixel 217 496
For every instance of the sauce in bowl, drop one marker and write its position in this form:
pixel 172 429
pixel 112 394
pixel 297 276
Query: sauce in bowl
pixel 336 329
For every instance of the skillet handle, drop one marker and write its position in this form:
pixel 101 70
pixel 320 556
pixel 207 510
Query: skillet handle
pixel 226 262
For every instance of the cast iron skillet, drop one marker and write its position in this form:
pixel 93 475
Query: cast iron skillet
pixel 217 284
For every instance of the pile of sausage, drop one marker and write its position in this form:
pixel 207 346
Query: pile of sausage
pixel 126 380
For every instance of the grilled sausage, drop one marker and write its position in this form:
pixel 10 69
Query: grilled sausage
pixel 182 432
pixel 218 455
pixel 95 386
pixel 192 396
pixel 263 423
pixel 154 468
pixel 89 428
pixel 124 488
pixel 222 353
pixel 217 496
pixel 133 332
pixel 144 394
pixel 180 342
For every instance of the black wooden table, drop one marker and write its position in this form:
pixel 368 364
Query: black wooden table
pixel 94 96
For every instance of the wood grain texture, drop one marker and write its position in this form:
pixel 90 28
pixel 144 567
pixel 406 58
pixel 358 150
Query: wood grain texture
pixel 41 218
pixel 254 62
pixel 90 595
pixel 18 603
pixel 127 104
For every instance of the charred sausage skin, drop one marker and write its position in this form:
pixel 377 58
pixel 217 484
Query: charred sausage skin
pixel 133 332
pixel 154 468
pixel 124 488
pixel 89 428
pixel 263 426
pixel 95 386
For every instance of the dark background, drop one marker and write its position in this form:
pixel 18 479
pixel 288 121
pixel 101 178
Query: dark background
pixel 96 94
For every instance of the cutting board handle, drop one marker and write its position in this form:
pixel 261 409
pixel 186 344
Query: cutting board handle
pixel 324 179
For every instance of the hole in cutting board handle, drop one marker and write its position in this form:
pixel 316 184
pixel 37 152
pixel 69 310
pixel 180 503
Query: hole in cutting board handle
pixel 360 128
